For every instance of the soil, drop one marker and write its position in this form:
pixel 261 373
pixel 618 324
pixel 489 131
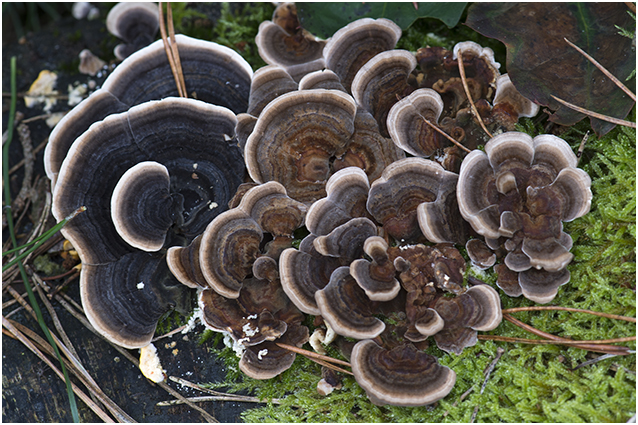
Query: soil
pixel 31 390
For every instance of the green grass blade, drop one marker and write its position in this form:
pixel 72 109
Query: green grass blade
pixel 23 273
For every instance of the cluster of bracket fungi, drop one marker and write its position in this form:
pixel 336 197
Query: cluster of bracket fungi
pixel 331 139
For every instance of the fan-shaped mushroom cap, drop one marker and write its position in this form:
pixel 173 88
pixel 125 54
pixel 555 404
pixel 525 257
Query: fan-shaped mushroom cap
pixel 268 83
pixel 322 79
pixel 480 254
pixel 295 137
pixel 475 49
pixel 135 23
pixel 489 315
pixel 355 44
pixel 574 188
pixel 346 241
pixel 508 280
pixel 403 186
pixel 402 376
pixel 142 208
pixel 347 193
pixel 185 135
pixel 406 124
pixel 376 278
pixel 245 125
pixel 380 81
pixel 303 273
pixel 283 42
pixel 476 194
pixel 430 323
pixel 541 286
pixel 183 262
pixel 216 74
pixel 346 308
pixel 509 104
pixel 368 149
pixel 509 150
pixel 552 154
pixel 267 360
pixel 123 299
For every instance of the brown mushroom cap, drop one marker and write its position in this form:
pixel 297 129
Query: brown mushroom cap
pixel 268 83
pixel 245 125
pixel 355 44
pixel 406 124
pixel 142 208
pixel 295 137
pixel 346 241
pixel 475 195
pixel 509 150
pixel 489 315
pixel 508 280
pixel 380 81
pixel 227 251
pixel 509 104
pixel 403 186
pixel 541 286
pixel 184 264
pixel 346 308
pixel 267 360
pixel 322 79
pixel 368 149
pixel 134 22
pixel 303 273
pixel 430 323
pixel 481 255
pixel 402 376
pixel 376 278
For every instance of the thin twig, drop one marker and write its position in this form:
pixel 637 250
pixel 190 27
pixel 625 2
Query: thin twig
pixel 36 150
pixel 603 70
pixel 469 96
pixel 171 35
pixel 450 138
pixel 490 368
pixel 590 347
pixel 173 332
pixel 576 310
pixel 593 361
pixel 581 148
pixel 169 52
pixel 311 354
pixel 236 397
pixel 551 341
pixel 210 398
pixel 587 112
pixel 473 418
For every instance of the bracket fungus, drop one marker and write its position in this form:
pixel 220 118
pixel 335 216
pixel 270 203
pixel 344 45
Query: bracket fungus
pixel 284 42
pixel 214 73
pixel 352 46
pixel 401 376
pixel 134 22
pixel 522 189
pixel 125 290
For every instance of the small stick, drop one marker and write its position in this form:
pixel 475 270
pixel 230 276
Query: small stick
pixel 450 138
pixel 603 70
pixel 473 418
pixel 36 150
pixel 237 397
pixel 171 35
pixel 311 354
pixel 210 398
pixel 490 368
pixel 550 341
pixel 577 310
pixel 169 52
pixel 592 361
pixel 173 332
pixel 331 366
pixel 469 96
pixel 596 114
pixel 581 148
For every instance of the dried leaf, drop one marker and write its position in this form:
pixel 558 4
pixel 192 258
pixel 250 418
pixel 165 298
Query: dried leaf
pixel 540 63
